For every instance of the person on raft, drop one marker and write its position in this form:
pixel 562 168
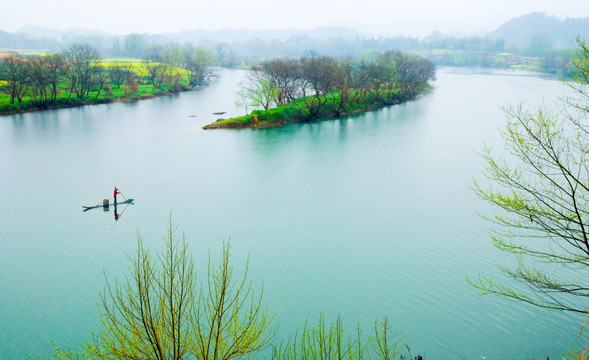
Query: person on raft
pixel 115 194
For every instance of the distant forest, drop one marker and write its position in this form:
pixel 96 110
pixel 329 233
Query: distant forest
pixel 534 41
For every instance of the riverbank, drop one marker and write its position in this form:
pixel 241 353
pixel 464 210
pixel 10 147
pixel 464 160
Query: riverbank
pixel 5 111
pixel 80 76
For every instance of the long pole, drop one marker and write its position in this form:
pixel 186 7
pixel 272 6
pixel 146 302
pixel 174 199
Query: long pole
pixel 117 188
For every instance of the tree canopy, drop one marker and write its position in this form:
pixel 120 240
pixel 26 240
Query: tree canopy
pixel 317 85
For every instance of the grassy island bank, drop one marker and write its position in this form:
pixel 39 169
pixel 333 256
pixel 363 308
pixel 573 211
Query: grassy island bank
pixel 297 111
pixel 311 88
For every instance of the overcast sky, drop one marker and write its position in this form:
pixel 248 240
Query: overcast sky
pixel 149 16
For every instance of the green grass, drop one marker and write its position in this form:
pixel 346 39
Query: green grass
pixel 240 119
pixel 297 111
pixel 62 100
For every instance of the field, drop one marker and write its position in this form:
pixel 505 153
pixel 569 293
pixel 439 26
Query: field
pixel 132 64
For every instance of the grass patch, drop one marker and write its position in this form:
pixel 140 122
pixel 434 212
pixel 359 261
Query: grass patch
pixel 64 99
pixel 299 110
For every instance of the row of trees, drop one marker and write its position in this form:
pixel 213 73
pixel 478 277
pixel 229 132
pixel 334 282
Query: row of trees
pixel 339 84
pixel 142 46
pixel 439 41
pixel 161 311
pixel 79 70
pixel 43 77
pixel 554 61
pixel 195 61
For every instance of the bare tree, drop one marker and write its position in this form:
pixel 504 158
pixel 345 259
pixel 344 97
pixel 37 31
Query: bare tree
pixel 118 73
pixel 284 74
pixel 81 60
pixel 131 85
pixel 39 80
pixel 155 69
pixel 100 77
pixel 360 81
pixel 345 80
pixel 54 68
pixel 14 70
pixel 321 74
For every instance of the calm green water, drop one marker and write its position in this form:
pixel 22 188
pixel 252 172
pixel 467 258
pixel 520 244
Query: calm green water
pixel 365 216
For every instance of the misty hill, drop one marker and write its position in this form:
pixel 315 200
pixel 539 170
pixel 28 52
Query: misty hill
pixel 198 36
pixel 242 35
pixel 561 34
pixel 35 31
pixel 24 41
pixel 514 35
pixel 42 38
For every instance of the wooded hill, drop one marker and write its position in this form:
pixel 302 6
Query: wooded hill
pixel 520 32
pixel 517 34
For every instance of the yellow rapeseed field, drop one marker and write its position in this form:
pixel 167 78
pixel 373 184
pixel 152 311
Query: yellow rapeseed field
pixel 136 65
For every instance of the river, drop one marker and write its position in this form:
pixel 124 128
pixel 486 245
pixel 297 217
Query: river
pixel 365 216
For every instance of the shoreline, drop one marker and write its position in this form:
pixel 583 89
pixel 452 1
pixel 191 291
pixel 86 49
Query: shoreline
pixel 75 103
pixel 251 121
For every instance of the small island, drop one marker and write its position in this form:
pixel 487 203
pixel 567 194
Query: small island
pixel 322 87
